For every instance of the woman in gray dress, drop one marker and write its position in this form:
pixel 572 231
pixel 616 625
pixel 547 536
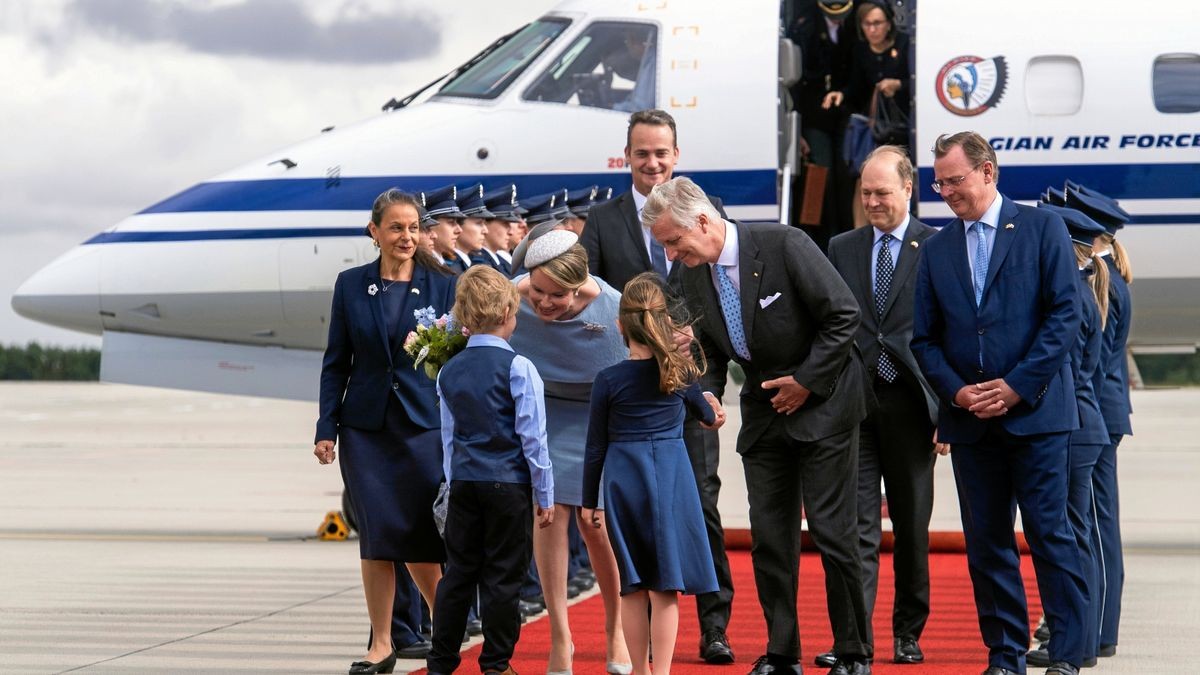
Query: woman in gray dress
pixel 567 327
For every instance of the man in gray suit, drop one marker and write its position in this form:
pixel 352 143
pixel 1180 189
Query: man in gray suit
pixel 767 298
pixel 620 248
pixel 896 441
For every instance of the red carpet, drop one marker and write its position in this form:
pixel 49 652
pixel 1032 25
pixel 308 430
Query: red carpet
pixel 951 640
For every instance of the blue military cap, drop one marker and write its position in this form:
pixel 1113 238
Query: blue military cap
pixel 470 202
pixel 440 203
pixel 579 201
pixel 603 194
pixel 1082 229
pixel 550 206
pixel 1084 190
pixel 502 202
pixel 1055 197
pixel 1100 209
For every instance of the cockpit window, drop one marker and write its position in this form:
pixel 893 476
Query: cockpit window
pixel 612 65
pixel 494 72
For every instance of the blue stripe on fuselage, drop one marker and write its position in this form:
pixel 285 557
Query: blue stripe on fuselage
pixel 1119 181
pixel 735 188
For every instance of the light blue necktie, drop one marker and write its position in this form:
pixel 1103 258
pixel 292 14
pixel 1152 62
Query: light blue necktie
pixel 658 258
pixel 731 309
pixel 981 260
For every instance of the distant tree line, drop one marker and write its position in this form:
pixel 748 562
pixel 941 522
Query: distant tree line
pixel 1166 370
pixel 35 362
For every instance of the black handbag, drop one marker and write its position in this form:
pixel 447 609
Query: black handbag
pixel 890 124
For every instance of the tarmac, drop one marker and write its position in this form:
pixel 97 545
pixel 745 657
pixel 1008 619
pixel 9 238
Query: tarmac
pixel 148 530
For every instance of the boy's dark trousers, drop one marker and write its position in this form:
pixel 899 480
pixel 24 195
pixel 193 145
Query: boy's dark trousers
pixel 489 529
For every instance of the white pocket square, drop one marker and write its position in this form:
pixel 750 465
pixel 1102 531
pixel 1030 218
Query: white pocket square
pixel 768 300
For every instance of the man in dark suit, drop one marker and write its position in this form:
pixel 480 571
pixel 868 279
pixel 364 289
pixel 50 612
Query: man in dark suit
pixel 994 320
pixel 620 248
pixel 896 442
pixel 767 298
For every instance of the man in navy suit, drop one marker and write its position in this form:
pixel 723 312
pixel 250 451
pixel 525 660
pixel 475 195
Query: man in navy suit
pixel 994 320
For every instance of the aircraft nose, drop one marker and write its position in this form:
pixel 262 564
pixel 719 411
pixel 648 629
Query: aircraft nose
pixel 65 293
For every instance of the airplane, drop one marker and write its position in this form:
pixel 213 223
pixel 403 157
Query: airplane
pixel 226 286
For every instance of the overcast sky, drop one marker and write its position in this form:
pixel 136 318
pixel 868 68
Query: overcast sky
pixel 111 105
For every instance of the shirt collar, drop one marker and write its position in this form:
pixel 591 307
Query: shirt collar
pixel 485 340
pixel 730 250
pixel 639 200
pixel 898 233
pixel 991 217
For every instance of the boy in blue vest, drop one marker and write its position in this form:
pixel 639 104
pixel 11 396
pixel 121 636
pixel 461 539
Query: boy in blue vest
pixel 497 465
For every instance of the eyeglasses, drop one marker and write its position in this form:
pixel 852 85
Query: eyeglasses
pixel 954 182
pixel 871 25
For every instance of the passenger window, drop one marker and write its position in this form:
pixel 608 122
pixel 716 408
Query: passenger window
pixel 1177 83
pixel 612 65
pixel 1053 85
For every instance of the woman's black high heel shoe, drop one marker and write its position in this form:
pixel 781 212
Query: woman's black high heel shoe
pixel 367 668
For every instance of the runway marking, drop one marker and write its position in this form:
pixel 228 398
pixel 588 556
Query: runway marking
pixel 100 536
pixel 356 587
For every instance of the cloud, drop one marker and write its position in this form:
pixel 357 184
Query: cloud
pixel 269 29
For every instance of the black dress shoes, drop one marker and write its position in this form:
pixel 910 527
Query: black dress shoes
pixel 825 659
pixel 1108 650
pixel 772 665
pixel 474 627
pixel 386 665
pixel 847 667
pixel 997 670
pixel 1062 668
pixel 714 648
pixel 907 651
pixel 1039 657
pixel 417 650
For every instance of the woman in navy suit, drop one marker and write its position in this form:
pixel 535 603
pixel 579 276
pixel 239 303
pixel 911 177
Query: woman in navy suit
pixel 384 412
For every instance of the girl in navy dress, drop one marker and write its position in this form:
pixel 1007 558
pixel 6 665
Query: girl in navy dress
pixel 635 436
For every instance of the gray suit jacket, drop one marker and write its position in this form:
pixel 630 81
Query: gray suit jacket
pixel 799 318
pixel 850 253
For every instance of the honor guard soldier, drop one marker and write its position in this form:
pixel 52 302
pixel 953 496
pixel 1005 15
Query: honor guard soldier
pixel 441 206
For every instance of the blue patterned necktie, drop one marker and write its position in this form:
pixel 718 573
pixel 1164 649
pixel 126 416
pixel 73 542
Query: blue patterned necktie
pixel 731 309
pixel 981 260
pixel 658 258
pixel 883 284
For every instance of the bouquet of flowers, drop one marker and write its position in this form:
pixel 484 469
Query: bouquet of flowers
pixel 435 340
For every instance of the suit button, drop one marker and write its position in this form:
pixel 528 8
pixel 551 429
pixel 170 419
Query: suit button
pixel 880 336
pixel 982 331
pixel 395 385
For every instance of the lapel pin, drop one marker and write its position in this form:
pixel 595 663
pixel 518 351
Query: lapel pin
pixel 372 289
pixel 415 291
pixel 756 274
pixel 913 244
pixel 1008 226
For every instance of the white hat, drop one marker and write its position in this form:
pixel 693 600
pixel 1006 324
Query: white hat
pixel 549 246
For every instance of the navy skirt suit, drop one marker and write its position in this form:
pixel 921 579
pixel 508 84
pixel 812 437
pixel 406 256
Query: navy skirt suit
pixel 383 412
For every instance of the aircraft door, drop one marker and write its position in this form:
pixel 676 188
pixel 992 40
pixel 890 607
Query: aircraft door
pixel 790 71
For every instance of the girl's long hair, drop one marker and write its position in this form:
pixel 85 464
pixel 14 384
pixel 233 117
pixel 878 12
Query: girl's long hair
pixel 645 319
pixel 1120 257
pixel 1099 279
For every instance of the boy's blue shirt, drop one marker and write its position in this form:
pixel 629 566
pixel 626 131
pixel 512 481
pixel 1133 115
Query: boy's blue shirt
pixel 530 403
